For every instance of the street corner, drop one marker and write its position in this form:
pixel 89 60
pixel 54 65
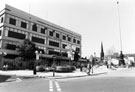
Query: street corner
pixel 3 78
pixel 7 78
pixel 26 77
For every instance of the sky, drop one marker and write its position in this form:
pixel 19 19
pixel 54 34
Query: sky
pixel 96 20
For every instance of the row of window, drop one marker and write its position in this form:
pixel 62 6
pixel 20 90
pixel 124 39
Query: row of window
pixel 1 31
pixel 64 37
pixel 24 24
pixel 43 30
pixel 18 34
pixel 12 46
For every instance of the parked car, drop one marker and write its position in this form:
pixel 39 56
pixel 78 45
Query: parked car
pixel 73 68
pixel 49 69
pixel 40 68
pixel 67 68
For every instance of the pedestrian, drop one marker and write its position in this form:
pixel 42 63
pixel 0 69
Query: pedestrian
pixel 6 67
pixel 109 62
pixel 90 66
pixel 81 66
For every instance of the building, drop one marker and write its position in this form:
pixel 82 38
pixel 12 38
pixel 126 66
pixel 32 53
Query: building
pixel 17 25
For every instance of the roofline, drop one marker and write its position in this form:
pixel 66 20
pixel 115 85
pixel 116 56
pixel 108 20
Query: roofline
pixel 41 20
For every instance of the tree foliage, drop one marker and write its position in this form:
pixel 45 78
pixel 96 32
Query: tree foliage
pixel 111 51
pixel 27 50
pixel 76 55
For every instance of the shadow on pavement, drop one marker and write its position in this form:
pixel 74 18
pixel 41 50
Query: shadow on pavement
pixel 3 78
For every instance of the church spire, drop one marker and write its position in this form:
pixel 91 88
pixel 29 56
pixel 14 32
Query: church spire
pixel 102 52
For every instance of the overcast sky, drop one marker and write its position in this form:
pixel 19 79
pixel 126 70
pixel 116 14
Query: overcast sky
pixel 95 20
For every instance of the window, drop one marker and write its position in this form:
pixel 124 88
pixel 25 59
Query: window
pixel 0 32
pixel 1 19
pixel 64 46
pixel 23 24
pixel 52 43
pixel 43 30
pixel 57 35
pixel 41 50
pixel 10 46
pixel 10 56
pixel 16 35
pixel 12 21
pixel 53 52
pixel 34 27
pixel 77 49
pixel 51 33
pixel 74 40
pixel 78 42
pixel 64 37
pixel 69 39
pixel 64 54
pixel 38 40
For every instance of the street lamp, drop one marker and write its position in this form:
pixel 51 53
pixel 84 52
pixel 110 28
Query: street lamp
pixel 121 54
pixel 37 58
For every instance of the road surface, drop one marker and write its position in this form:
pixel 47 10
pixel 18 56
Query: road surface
pixel 109 83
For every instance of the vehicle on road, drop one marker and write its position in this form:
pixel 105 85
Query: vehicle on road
pixel 66 68
pixel 40 68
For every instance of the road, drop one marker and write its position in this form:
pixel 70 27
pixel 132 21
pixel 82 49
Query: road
pixel 79 84
pixel 85 84
pixel 107 84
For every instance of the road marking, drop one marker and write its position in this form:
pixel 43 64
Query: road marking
pixel 18 80
pixel 58 86
pixel 50 86
pixel 51 89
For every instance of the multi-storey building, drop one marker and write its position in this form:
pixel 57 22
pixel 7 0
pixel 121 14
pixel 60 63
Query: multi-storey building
pixel 17 25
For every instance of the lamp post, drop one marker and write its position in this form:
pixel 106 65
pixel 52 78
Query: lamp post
pixel 54 66
pixel 2 54
pixel 121 53
pixel 37 58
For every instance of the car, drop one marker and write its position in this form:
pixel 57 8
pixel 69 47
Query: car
pixel 47 69
pixel 73 68
pixel 40 68
pixel 66 68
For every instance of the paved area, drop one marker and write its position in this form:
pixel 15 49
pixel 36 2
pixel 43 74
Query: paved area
pixel 101 71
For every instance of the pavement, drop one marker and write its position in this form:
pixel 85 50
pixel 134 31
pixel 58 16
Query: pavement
pixel 101 71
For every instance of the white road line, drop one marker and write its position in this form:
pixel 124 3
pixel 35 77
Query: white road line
pixel 58 86
pixel 51 89
pixel 50 86
pixel 18 80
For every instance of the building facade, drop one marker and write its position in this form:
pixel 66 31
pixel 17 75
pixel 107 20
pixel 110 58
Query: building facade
pixel 17 25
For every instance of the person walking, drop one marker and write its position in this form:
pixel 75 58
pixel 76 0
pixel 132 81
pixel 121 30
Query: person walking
pixel 90 66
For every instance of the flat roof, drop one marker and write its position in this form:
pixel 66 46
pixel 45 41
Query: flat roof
pixel 30 17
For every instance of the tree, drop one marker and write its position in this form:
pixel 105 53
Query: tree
pixel 110 51
pixel 27 50
pixel 76 55
pixel 102 52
